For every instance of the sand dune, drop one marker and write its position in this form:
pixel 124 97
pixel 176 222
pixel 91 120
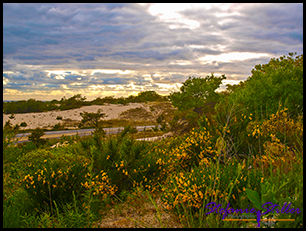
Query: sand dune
pixel 48 119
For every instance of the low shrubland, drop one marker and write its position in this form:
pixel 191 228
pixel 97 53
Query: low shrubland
pixel 232 157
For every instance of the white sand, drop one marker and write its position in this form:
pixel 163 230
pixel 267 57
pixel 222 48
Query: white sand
pixel 48 119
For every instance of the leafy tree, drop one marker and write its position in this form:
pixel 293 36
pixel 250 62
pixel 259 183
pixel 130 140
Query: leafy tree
pixel 196 92
pixel 278 82
pixel 197 96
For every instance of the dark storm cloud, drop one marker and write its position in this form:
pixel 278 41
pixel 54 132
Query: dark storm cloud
pixel 51 36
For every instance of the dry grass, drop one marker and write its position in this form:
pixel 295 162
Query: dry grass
pixel 149 112
pixel 138 113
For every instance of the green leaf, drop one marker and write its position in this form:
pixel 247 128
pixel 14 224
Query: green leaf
pixel 270 197
pixel 254 198
pixel 264 198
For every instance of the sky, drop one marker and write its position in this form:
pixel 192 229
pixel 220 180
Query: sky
pixel 114 49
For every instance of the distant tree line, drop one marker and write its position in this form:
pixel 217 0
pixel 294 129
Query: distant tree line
pixel 76 101
pixel 31 105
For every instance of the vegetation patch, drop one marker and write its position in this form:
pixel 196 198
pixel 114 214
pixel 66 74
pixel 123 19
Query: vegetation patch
pixel 138 113
pixel 238 152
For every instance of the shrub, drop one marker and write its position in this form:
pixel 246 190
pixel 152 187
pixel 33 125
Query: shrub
pixel 12 116
pixel 58 127
pixel 23 124
pixel 206 183
pixel 35 136
pixel 56 175
pixel 194 147
pixel 279 81
pixel 52 183
pixel 196 92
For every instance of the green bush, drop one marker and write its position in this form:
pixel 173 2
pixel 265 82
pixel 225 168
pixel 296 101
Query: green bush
pixel 23 124
pixel 52 175
pixel 126 161
pixel 35 136
pixel 279 81
pixel 58 127
pixel 52 183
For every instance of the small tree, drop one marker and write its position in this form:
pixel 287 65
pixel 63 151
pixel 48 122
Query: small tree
pixel 196 92
pixel 93 120
pixel 35 136
pixel 196 96
pixel 8 126
pixel 9 132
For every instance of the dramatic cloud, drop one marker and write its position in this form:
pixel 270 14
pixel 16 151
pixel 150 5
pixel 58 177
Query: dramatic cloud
pixel 55 50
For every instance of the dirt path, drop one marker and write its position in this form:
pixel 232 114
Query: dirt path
pixel 138 213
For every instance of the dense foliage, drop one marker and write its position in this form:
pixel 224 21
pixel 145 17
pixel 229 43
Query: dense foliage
pixel 75 101
pixel 233 155
pixel 196 92
pixel 197 96
pixel 278 82
pixel 24 106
